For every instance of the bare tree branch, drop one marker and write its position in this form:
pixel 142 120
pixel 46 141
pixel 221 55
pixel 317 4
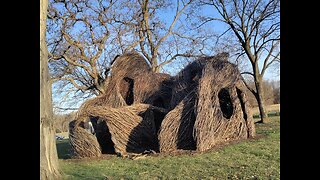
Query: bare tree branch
pixel 64 108
pixel 249 73
pixel 250 88
pixel 175 56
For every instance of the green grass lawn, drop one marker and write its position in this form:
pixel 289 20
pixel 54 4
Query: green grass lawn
pixel 253 159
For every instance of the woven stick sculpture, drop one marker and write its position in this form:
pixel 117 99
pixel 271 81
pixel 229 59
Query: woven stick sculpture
pixel 203 106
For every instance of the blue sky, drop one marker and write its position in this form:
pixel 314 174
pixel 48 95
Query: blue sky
pixel 220 27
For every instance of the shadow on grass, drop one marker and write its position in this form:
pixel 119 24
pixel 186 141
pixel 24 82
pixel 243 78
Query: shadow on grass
pixel 63 148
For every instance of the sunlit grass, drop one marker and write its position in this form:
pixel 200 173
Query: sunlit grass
pixel 254 159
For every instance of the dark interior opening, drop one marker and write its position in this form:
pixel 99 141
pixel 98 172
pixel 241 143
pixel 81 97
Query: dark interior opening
pixel 158 116
pixel 158 102
pixel 103 135
pixel 126 90
pixel 243 107
pixel 225 103
pixel 82 124
pixel 193 75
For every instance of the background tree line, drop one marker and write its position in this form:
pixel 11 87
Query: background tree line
pixel 271 90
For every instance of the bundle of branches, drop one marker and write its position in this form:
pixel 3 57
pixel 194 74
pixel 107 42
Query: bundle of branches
pixel 176 130
pixel 129 65
pixel 132 78
pixel 125 69
pixel 129 131
pixel 119 86
pixel 177 127
pixel 187 79
pixel 223 113
pixel 206 101
pixel 114 96
pixel 185 82
pixel 131 82
pixel 215 109
pixel 83 143
pixel 154 89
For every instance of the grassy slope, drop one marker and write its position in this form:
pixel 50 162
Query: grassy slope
pixel 256 159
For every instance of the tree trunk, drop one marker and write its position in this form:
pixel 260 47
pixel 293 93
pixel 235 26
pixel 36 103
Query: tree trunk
pixel 49 167
pixel 156 69
pixel 154 65
pixel 260 99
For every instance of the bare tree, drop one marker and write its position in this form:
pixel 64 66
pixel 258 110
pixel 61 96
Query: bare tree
pixel 162 41
pixel 86 35
pixel 256 26
pixel 49 167
pixel 79 43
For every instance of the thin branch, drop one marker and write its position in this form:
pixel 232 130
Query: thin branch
pixel 249 73
pixel 218 38
pixel 209 20
pixel 175 56
pixel 63 108
pixel 176 17
pixel 250 89
pixel 72 81
pixel 267 41
pixel 273 46
pixel 266 65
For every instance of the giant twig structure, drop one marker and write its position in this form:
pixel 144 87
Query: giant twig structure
pixel 203 106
